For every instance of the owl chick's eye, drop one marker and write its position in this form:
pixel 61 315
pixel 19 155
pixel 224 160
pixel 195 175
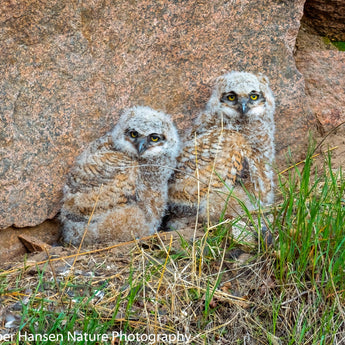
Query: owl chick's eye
pixel 133 134
pixel 154 138
pixel 254 97
pixel 231 97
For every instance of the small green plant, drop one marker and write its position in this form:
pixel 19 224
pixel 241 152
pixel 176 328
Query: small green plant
pixel 340 45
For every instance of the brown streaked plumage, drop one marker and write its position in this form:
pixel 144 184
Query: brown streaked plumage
pixel 230 149
pixel 125 174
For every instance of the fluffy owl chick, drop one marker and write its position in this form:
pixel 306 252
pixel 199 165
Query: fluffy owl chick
pixel 230 150
pixel 125 174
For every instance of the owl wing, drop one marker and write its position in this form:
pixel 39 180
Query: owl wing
pixel 99 164
pixel 101 175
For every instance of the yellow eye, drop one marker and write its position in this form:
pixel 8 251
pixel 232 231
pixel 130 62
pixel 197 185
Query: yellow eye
pixel 154 138
pixel 254 97
pixel 231 98
pixel 133 134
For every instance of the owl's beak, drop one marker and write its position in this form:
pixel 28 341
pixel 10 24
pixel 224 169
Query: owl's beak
pixel 141 145
pixel 243 107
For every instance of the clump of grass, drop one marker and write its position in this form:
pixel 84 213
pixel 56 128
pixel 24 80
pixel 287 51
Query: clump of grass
pixel 311 251
pixel 292 292
pixel 310 222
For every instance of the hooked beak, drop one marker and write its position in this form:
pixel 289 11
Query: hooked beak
pixel 243 107
pixel 141 145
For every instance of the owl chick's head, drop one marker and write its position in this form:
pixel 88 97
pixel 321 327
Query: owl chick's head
pixel 147 134
pixel 240 97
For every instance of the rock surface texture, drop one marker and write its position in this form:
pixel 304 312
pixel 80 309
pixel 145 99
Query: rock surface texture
pixel 327 17
pixel 69 68
pixel 11 246
pixel 325 85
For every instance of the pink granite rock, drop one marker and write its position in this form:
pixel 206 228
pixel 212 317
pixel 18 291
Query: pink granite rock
pixel 12 247
pixel 69 68
pixel 325 84
pixel 327 17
